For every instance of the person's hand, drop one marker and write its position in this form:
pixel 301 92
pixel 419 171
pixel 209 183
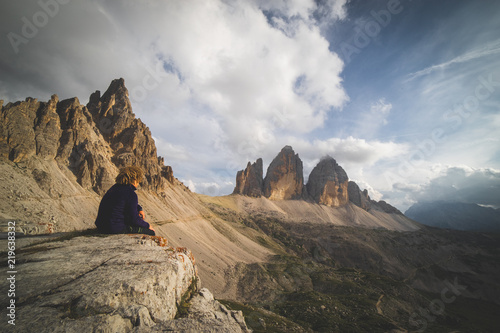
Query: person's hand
pixel 151 228
pixel 142 215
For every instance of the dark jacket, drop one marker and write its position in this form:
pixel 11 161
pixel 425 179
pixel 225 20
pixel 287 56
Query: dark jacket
pixel 118 209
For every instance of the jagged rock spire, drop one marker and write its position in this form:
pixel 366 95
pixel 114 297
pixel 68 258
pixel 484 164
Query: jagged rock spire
pixel 284 178
pixel 249 182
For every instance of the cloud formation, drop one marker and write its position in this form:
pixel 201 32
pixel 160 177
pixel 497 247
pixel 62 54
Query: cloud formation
pixel 462 184
pixel 229 63
pixel 488 49
pixel 221 83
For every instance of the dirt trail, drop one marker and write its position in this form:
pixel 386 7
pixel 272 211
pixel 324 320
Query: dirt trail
pixel 379 308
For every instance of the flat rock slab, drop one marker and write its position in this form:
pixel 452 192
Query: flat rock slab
pixel 112 283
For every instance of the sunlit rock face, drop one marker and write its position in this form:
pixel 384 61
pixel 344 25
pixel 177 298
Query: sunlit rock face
pixel 129 138
pixel 328 183
pixel 92 141
pixel 284 179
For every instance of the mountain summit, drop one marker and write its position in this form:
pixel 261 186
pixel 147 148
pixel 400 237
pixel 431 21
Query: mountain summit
pixel 284 178
pixel 327 183
pixel 249 181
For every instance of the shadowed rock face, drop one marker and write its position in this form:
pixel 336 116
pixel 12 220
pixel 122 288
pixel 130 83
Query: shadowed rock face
pixel 360 199
pixel 327 183
pixel 249 182
pixel 29 128
pixel 284 178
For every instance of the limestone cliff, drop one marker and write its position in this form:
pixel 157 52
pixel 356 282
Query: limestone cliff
pixel 327 183
pixel 129 138
pixel 92 141
pixel 284 178
pixel 249 182
pixel 58 157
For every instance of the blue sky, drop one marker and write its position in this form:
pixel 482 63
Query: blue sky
pixel 426 64
pixel 403 94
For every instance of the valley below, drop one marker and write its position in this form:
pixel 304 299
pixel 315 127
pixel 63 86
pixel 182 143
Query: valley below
pixel 346 278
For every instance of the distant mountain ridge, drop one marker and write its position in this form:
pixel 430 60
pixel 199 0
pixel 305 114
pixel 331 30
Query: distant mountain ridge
pixel 455 215
pixel 328 183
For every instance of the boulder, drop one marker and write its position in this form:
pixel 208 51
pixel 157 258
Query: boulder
pixel 205 314
pixel 284 178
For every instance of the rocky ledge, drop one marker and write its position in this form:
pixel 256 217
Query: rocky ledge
pixel 117 283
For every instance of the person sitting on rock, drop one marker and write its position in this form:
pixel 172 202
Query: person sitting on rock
pixel 119 210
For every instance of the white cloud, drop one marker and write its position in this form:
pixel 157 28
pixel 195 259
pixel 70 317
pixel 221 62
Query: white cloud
pixel 214 80
pixel 458 183
pixel 373 193
pixel 190 184
pixel 370 122
pixel 214 188
pixel 176 152
pixel 491 48
pixel 381 109
pixel 352 150
pixel 307 10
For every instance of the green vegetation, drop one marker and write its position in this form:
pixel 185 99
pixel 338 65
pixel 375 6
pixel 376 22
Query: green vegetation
pixel 261 320
pixel 183 306
pixel 325 299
